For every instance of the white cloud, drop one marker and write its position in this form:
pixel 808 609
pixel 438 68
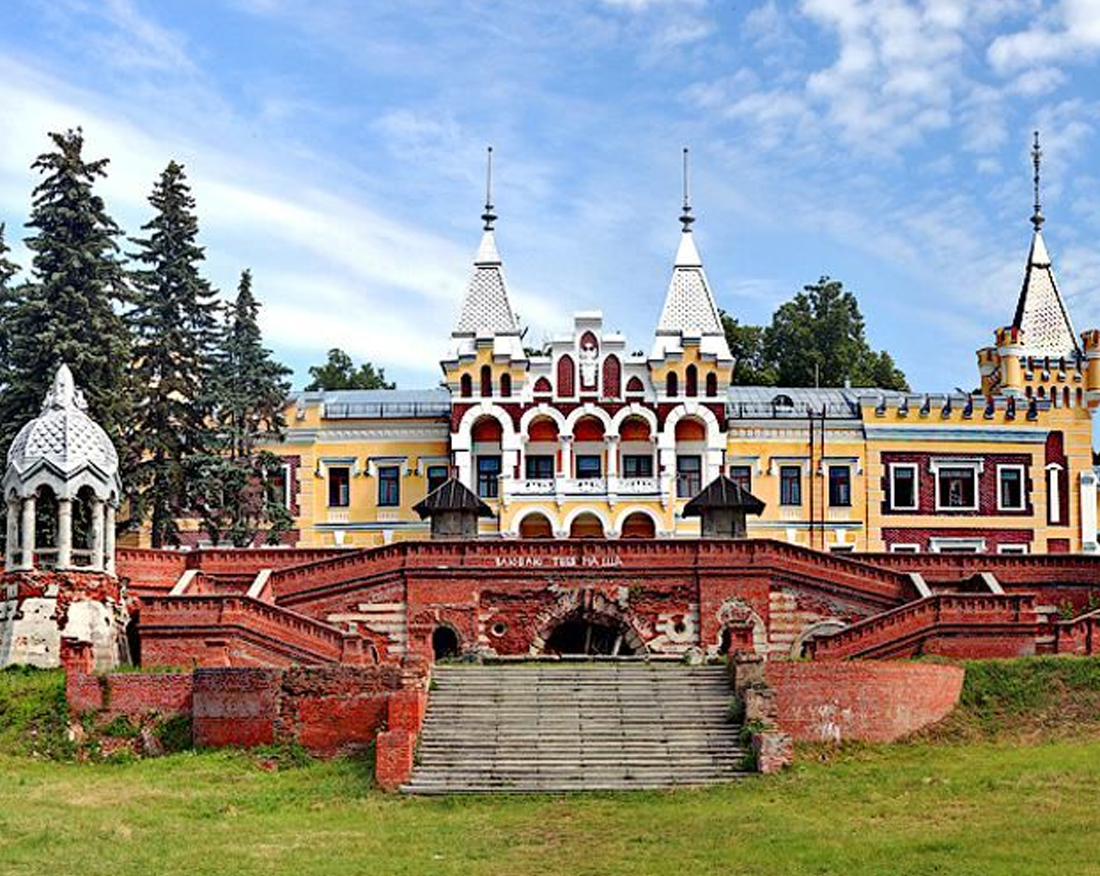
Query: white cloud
pixel 1071 32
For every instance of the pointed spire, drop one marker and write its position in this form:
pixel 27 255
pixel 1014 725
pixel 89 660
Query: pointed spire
pixel 686 218
pixel 489 217
pixel 486 309
pixel 1041 313
pixel 689 308
pixel 1037 218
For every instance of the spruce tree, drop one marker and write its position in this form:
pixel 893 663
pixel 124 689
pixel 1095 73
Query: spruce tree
pixel 70 310
pixel 8 271
pixel 234 486
pixel 175 324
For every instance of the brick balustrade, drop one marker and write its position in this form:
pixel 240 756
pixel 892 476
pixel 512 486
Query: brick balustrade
pixel 952 624
pixel 183 626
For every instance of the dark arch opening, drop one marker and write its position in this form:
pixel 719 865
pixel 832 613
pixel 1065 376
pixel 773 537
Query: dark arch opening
pixel 590 635
pixel 444 643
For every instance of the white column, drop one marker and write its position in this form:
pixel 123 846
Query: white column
pixel 109 541
pixel 612 456
pixel 64 533
pixel 29 509
pixel 97 535
pixel 566 470
pixel 464 466
pixel 13 534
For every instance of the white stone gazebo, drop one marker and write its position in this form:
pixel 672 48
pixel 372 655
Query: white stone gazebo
pixel 62 455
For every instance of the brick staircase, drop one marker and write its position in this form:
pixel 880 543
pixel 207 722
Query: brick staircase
pixel 576 727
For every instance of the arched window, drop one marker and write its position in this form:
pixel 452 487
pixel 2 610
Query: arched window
pixel 486 381
pixel 672 385
pixel 506 386
pixel 542 387
pixel 691 382
pixel 612 377
pixel 783 402
pixel 634 386
pixel 566 377
pixel 467 386
pixel 712 385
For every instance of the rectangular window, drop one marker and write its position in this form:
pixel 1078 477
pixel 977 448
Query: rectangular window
pixel 903 487
pixel 958 488
pixel 689 476
pixel 790 485
pixel 437 477
pixel 1010 488
pixel 905 548
pixel 588 466
pixel 488 476
pixel 339 486
pixel 638 466
pixel 540 468
pixel 840 486
pixel 1012 548
pixel 742 476
pixel 279 487
pixel 389 486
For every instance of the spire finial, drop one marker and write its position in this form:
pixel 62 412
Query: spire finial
pixel 489 217
pixel 1037 217
pixel 686 218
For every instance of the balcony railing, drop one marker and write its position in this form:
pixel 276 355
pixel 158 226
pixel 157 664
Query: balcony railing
pixel 609 486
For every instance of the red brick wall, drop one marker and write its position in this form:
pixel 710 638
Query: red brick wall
pixel 987 484
pixel 327 709
pixel 132 694
pixel 235 706
pixel 864 701
pixel 923 535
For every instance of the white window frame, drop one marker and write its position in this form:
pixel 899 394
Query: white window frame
pixel 1022 469
pixel 1054 497
pixel 905 548
pixel 974 545
pixel 975 468
pixel 1013 549
pixel 915 468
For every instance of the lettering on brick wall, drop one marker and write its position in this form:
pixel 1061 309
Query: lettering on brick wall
pixel 608 561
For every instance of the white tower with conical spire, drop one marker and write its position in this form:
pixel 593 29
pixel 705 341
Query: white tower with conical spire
pixel 689 310
pixel 486 316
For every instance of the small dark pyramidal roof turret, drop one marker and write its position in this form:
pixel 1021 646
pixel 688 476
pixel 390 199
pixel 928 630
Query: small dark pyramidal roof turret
pixel 451 496
pixel 723 494
pixel 1041 313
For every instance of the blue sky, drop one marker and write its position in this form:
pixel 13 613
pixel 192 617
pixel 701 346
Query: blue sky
pixel 337 149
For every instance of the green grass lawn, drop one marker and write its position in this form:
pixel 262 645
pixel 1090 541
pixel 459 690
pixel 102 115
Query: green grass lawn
pixel 936 806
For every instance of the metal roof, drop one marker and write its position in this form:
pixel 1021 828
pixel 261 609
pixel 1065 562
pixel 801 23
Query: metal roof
pixel 350 404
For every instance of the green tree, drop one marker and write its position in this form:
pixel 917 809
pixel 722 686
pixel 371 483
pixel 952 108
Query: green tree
pixel 70 310
pixel 817 339
pixel 175 323
pixel 746 343
pixel 235 488
pixel 8 271
pixel 339 372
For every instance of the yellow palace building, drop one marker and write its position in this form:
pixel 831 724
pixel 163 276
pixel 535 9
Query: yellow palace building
pixel 590 440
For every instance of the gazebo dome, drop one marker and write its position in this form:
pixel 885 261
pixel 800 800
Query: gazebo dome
pixel 63 447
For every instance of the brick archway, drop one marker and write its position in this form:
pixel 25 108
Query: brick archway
pixel 591 606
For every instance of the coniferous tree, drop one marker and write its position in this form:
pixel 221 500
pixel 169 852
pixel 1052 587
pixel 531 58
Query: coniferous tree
pixel 70 310
pixel 8 270
pixel 175 326
pixel 235 487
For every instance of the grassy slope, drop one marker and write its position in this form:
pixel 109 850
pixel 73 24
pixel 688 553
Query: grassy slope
pixel 921 808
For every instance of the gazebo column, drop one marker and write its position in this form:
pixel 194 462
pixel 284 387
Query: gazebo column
pixel 64 533
pixel 13 535
pixel 97 534
pixel 30 504
pixel 109 541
